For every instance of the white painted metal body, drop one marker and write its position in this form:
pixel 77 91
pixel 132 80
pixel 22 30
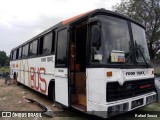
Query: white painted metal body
pixel 96 88
pixel 36 73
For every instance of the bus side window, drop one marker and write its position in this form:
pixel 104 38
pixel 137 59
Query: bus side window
pixel 40 46
pixel 47 44
pixel 30 48
pixel 14 55
pixel 61 53
pixel 25 51
pixel 11 55
pixel 53 42
pixel 17 53
pixel 20 53
pixel 33 48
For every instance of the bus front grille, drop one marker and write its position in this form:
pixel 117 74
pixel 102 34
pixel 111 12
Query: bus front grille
pixel 129 89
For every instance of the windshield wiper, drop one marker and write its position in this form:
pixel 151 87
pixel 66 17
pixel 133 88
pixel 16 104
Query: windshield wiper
pixel 141 54
pixel 143 57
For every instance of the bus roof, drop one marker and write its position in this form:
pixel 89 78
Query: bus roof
pixel 75 17
pixel 96 11
pixel 78 17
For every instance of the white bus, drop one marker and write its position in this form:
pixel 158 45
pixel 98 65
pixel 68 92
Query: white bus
pixel 97 62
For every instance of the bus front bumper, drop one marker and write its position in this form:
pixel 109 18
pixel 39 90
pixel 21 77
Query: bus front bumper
pixel 121 106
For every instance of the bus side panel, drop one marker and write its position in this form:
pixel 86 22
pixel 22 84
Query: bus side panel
pixel 35 72
pixel 13 69
pixel 61 86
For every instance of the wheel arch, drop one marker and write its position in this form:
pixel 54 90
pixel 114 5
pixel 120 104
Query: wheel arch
pixel 14 76
pixel 50 86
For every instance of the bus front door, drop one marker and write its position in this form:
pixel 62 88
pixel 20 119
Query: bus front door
pixel 78 67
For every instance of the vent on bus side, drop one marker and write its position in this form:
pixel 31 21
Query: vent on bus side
pixel 129 89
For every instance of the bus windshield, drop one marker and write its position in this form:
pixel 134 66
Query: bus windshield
pixel 114 44
pixel 140 43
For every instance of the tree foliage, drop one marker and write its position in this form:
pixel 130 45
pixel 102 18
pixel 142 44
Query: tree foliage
pixel 4 59
pixel 148 13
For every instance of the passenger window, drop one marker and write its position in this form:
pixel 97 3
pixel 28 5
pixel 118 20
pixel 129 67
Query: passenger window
pixel 11 55
pixel 23 54
pixel 40 46
pixel 33 48
pixel 61 48
pixel 14 55
pixel 25 51
pixel 30 49
pixel 47 43
pixel 53 42
pixel 17 53
pixel 20 53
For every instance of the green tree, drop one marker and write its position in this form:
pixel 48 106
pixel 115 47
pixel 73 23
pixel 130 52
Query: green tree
pixel 4 59
pixel 148 13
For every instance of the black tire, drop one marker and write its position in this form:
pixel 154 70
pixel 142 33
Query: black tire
pixel 53 93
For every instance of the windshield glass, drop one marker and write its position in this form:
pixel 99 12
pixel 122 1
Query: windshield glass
pixel 140 43
pixel 115 42
pixel 111 43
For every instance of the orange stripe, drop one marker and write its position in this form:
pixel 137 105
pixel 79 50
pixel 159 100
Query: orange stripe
pixel 74 18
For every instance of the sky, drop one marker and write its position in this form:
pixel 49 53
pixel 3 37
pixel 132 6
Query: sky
pixel 21 20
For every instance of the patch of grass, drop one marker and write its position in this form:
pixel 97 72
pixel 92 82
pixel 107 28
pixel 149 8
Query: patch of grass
pixel 4 69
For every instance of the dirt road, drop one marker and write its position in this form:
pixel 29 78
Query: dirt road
pixel 12 99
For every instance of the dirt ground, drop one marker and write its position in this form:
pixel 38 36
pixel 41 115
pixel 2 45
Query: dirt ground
pixel 12 99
